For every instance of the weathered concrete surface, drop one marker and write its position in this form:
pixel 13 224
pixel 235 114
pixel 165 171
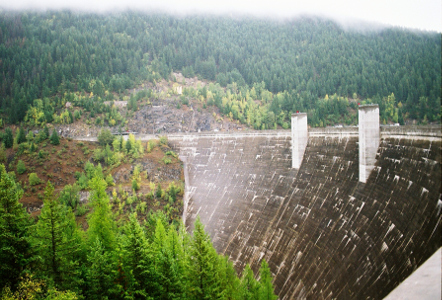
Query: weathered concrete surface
pixel 424 283
pixel 368 139
pixel 299 138
pixel 324 234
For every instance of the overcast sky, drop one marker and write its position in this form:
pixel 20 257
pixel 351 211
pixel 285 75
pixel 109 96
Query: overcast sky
pixel 420 14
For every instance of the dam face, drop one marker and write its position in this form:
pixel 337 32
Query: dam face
pixel 325 233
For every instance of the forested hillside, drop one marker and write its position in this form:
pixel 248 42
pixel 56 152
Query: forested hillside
pixel 45 55
pixel 124 241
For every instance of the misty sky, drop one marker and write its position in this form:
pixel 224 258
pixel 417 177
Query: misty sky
pixel 420 14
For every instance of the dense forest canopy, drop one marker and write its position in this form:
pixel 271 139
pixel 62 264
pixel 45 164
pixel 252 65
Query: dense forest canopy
pixel 44 55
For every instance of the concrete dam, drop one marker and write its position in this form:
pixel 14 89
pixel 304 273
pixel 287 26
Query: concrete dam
pixel 339 213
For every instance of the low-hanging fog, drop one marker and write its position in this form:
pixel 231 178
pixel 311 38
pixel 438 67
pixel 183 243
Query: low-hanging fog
pixel 422 15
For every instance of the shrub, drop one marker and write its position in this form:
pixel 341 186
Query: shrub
pixel 171 153
pixel 159 191
pixel 2 153
pixel 109 180
pixel 21 168
pixel 151 145
pixel 163 140
pixel 135 185
pixel 69 195
pixel 166 160
pixel 33 179
pixel 105 137
pixel 173 191
pixel 81 210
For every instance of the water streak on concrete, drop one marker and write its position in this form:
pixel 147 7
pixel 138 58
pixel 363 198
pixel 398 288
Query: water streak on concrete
pixel 325 234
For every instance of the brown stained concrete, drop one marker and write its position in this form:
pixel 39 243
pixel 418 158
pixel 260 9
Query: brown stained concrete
pixel 324 234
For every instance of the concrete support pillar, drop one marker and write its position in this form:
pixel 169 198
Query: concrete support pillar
pixel 368 139
pixel 299 138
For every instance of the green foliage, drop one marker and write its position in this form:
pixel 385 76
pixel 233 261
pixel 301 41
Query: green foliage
pixel 34 179
pixel 56 240
pixel 171 153
pixel 21 168
pixel 151 144
pixel 21 136
pixel 159 191
pixel 14 225
pixel 202 265
pixel 8 138
pixel 307 68
pixel 54 294
pixel 99 275
pixel 2 153
pixel 101 223
pixel 109 180
pixel 55 140
pixel 69 196
pixel 105 137
pixel 81 210
pixel 135 185
pixel 163 140
pixel 155 260
pixel 173 190
pixel 249 288
pixel 166 160
pixel 265 280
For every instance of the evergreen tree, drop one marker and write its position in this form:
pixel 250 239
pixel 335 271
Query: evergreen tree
pixel 101 223
pixel 99 274
pixel 228 280
pixel 8 138
pixel 21 136
pixel 167 251
pixel 139 261
pixel 2 153
pixel 45 132
pixel 55 140
pixel 56 239
pixel 202 267
pixel 14 225
pixel 249 288
pixel 21 168
pixel 265 280
pixel 105 137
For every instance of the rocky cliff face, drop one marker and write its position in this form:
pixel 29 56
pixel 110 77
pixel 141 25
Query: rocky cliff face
pixel 324 234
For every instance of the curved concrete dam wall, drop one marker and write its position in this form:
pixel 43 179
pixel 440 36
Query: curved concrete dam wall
pixel 325 234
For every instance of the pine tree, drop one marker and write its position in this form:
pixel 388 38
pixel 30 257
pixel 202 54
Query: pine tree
pixel 14 225
pixel 21 138
pixel 55 140
pixel 168 254
pixel 8 138
pixel 2 153
pixel 265 280
pixel 45 132
pixel 249 288
pixel 101 223
pixel 202 268
pixel 228 280
pixel 56 239
pixel 99 274
pixel 139 260
pixel 21 168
